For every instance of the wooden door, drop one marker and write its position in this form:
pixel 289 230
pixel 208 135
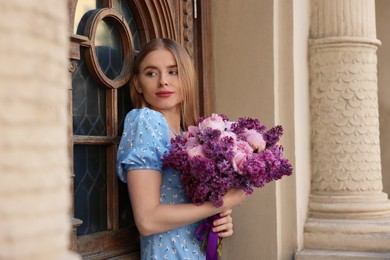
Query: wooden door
pixel 104 37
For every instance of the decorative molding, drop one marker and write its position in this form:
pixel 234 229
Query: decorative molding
pixel 188 33
pixel 72 66
pixel 75 41
pixel 345 40
pixel 348 236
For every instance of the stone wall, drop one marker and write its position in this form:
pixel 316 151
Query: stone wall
pixel 34 163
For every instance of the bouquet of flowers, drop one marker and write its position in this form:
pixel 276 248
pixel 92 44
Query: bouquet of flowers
pixel 218 154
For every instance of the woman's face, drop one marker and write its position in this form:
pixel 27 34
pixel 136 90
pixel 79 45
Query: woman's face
pixel 158 81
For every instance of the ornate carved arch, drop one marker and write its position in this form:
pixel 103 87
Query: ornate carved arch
pixel 169 19
pixel 155 19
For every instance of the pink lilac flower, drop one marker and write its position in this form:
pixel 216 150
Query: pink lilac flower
pixel 217 155
pixel 243 151
pixel 254 139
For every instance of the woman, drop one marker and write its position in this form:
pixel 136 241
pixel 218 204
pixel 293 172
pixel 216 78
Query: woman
pixel 163 91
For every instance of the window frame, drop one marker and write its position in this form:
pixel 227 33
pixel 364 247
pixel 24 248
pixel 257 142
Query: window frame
pixel 171 19
pixel 114 241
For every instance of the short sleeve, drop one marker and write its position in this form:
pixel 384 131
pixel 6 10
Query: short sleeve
pixel 144 141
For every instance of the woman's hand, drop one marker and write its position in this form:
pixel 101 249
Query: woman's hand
pixel 224 225
pixel 233 198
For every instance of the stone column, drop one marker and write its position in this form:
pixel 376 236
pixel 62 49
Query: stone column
pixel 34 165
pixel 348 211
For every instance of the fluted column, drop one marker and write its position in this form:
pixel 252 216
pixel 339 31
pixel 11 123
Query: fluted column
pixel 347 209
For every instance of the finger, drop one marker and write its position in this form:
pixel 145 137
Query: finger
pixel 223 228
pixel 225 213
pixel 223 220
pixel 226 233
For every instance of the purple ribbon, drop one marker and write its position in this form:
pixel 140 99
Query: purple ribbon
pixel 205 231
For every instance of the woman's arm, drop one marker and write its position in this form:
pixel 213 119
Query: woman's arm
pixel 151 217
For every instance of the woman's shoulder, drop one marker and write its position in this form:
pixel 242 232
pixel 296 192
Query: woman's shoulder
pixel 144 113
pixel 145 118
pixel 145 139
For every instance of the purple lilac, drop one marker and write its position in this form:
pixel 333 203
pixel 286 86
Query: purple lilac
pixel 208 178
pixel 273 135
pixel 247 123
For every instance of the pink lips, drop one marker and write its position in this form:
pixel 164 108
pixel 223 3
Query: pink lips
pixel 164 94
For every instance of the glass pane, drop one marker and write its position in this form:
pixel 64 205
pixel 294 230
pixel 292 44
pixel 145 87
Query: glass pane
pixel 90 188
pixel 89 103
pixel 84 7
pixel 126 218
pixel 124 103
pixel 124 9
pixel 109 49
pixel 124 106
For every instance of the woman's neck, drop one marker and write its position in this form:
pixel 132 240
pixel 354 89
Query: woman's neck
pixel 173 120
pixel 173 123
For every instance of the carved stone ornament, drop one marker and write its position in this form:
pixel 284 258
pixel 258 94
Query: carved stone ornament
pixel 188 26
pixel 345 120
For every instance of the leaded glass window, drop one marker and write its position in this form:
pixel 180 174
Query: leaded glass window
pixel 100 102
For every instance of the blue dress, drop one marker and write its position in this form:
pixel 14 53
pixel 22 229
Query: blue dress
pixel 144 141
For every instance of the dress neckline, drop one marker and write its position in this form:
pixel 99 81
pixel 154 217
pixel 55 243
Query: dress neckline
pixel 174 133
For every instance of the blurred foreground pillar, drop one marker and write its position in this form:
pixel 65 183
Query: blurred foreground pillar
pixel 349 215
pixel 34 165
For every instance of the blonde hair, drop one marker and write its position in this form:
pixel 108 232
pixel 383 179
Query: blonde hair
pixel 187 78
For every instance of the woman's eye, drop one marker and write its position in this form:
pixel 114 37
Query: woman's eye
pixel 173 72
pixel 151 73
